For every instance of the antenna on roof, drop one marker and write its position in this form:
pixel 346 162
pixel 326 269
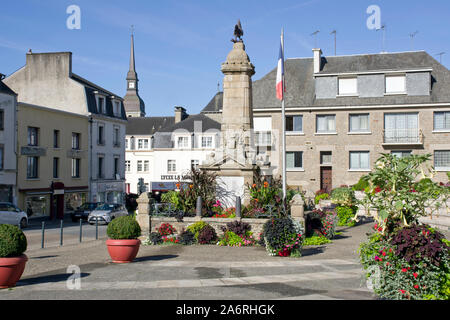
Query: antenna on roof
pixel 440 56
pixel 383 27
pixel 315 37
pixel 334 32
pixel 412 35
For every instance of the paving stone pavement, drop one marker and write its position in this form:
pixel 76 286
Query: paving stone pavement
pixel 168 272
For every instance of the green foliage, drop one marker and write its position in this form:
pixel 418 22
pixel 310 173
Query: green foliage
pixel 316 241
pixel 231 239
pixel 345 215
pixel 13 241
pixel 171 197
pixel 322 196
pixel 196 227
pixel 155 238
pixel 343 196
pixel 186 237
pixel 207 235
pixel 362 184
pixel 400 191
pixel 125 227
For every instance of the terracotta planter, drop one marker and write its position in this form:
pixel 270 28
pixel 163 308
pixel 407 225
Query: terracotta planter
pixel 11 270
pixel 123 251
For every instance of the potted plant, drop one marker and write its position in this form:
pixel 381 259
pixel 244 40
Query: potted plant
pixel 13 244
pixel 123 243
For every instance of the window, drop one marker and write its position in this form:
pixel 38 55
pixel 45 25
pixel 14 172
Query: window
pixel 146 165
pixel 206 142
pixel 76 167
pixel 2 157
pixel 33 134
pixel 101 105
pixel 116 167
pixel 132 143
pixel 127 165
pixel 401 128
pixel 2 119
pixel 347 86
pixel 55 168
pixel 101 135
pixel 139 165
pixel 100 167
pixel 401 154
pixel 116 108
pixel 126 143
pixel 395 84
pixel 325 157
pixel 55 139
pixel 142 143
pixel 442 121
pixel 442 160
pixel 294 123
pixel 194 164
pixel 171 166
pixel 75 141
pixel 359 123
pixel 326 124
pixel 359 160
pixel 183 142
pixel 294 160
pixel 32 167
pixel 116 138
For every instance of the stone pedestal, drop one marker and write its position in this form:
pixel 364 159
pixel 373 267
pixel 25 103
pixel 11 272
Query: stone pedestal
pixel 297 209
pixel 143 216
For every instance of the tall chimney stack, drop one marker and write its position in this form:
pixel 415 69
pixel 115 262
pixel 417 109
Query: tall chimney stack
pixel 317 59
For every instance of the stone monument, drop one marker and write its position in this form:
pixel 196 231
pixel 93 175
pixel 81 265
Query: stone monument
pixel 235 161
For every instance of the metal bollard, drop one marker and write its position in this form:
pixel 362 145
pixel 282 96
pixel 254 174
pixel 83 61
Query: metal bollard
pixel 43 232
pixel 81 228
pixel 238 207
pixel 96 229
pixel 61 234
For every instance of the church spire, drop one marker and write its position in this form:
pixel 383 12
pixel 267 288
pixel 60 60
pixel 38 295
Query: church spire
pixel 134 106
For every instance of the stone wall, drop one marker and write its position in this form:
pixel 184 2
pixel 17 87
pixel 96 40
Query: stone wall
pixel 216 223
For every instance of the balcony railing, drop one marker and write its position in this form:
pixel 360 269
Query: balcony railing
pixel 403 136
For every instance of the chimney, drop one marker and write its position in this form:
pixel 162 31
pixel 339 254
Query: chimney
pixel 317 59
pixel 180 114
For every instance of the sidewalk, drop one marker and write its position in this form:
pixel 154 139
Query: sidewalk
pixel 330 271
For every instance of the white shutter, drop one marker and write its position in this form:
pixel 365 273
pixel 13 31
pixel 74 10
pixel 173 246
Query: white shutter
pixel 347 86
pixel 262 123
pixel 395 84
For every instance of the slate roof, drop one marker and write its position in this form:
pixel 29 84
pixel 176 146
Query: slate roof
pixel 215 105
pixel 147 125
pixel 300 81
pixel 90 88
pixel 189 123
pixel 5 89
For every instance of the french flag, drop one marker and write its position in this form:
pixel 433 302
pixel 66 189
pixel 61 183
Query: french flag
pixel 280 72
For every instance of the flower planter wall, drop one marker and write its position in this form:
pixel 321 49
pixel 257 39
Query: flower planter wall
pixel 216 223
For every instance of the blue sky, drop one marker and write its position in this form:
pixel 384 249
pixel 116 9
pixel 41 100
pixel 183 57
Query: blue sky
pixel 180 45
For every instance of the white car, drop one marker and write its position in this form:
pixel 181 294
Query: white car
pixel 10 214
pixel 105 213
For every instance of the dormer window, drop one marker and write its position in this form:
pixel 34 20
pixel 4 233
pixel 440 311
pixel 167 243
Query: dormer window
pixel 183 142
pixel 348 86
pixel 116 108
pixel 395 84
pixel 101 105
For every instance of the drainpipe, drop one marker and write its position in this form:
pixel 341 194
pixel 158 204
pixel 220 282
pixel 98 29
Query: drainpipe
pixel 90 159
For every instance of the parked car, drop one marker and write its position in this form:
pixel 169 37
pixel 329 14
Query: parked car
pixel 10 214
pixel 105 213
pixel 83 211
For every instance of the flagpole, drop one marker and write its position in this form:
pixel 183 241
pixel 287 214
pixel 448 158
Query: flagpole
pixel 283 128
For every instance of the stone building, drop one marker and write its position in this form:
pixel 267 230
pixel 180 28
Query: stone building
pixel 47 80
pixel 342 112
pixel 8 143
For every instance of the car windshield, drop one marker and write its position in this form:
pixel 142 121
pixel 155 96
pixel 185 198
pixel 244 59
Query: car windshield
pixel 105 207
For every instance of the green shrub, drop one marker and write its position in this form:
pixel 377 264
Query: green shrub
pixel 186 237
pixel 345 215
pixel 207 235
pixel 361 185
pixel 322 196
pixel 196 228
pixel 343 196
pixel 125 227
pixel 283 236
pixel 155 238
pixel 316 241
pixel 13 241
pixel 231 239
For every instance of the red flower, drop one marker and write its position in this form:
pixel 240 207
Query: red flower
pixel 378 189
pixel 380 229
pixel 402 291
pixel 383 253
pixel 416 286
pixel 404 270
pixel 415 275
